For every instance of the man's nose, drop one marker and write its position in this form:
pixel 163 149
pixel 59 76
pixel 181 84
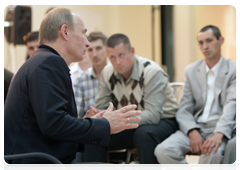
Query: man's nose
pixel 205 45
pixel 118 61
pixel 87 43
pixel 94 52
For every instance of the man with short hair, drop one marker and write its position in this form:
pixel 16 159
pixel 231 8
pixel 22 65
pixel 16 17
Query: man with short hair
pixel 207 111
pixel 85 87
pixel 135 80
pixel 31 41
pixel 40 113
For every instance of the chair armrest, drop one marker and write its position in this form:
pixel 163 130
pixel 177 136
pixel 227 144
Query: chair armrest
pixel 33 154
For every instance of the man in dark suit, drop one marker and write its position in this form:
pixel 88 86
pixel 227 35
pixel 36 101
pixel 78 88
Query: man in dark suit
pixel 40 112
pixel 7 79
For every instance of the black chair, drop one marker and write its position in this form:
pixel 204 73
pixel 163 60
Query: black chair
pixel 31 155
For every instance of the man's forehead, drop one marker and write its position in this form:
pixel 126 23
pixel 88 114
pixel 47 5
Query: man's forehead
pixel 97 42
pixel 204 35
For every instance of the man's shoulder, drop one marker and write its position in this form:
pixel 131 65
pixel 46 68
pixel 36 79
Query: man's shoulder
pixel 43 58
pixel 108 69
pixel 231 63
pixel 194 65
pixel 146 62
pixel 150 67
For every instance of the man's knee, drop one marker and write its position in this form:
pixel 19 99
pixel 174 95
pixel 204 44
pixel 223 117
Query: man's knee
pixel 212 158
pixel 160 150
pixel 143 134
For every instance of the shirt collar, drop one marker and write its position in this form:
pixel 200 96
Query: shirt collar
pixel 53 51
pixel 76 68
pixel 49 48
pixel 215 67
pixel 92 72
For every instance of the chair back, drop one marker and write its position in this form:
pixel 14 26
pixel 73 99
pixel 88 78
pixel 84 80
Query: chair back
pixel 177 88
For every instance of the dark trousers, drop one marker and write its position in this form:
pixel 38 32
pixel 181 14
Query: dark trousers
pixel 96 166
pixel 145 138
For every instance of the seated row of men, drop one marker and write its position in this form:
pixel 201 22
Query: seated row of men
pixel 44 109
pixel 206 115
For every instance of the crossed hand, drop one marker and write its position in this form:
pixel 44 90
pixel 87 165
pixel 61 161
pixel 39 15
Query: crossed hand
pixel 199 146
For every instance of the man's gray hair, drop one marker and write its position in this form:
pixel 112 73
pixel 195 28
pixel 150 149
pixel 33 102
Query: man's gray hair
pixel 52 23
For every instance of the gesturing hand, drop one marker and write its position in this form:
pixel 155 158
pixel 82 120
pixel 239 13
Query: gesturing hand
pixel 119 120
pixel 213 141
pixel 94 113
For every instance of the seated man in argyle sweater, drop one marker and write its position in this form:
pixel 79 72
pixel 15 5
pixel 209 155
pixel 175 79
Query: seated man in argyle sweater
pixel 135 80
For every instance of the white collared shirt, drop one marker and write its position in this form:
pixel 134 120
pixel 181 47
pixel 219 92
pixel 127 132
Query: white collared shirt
pixel 76 72
pixel 210 107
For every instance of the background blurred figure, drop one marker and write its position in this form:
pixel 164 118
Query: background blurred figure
pixel 207 111
pixel 7 79
pixel 85 86
pixel 78 69
pixel 31 41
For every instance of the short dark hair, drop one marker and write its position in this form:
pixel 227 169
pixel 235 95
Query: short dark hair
pixel 215 30
pixel 117 39
pixel 93 36
pixel 32 36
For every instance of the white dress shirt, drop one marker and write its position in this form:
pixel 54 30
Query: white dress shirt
pixel 76 72
pixel 210 111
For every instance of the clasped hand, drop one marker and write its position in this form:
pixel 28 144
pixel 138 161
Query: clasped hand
pixel 199 146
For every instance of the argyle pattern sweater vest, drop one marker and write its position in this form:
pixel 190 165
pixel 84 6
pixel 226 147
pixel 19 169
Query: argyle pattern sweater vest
pixel 131 92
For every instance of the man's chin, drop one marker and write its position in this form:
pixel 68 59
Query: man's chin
pixel 80 58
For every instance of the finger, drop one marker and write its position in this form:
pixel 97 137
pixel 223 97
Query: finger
pixel 99 114
pixel 204 147
pixel 203 150
pixel 131 126
pixel 110 107
pixel 133 119
pixel 197 149
pixel 132 113
pixel 216 148
pixel 88 114
pixel 90 110
pixel 210 148
pixel 95 110
pixel 191 149
pixel 127 108
pixel 200 147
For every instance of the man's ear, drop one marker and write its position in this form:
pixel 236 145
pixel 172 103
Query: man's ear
pixel 221 39
pixel 132 50
pixel 64 31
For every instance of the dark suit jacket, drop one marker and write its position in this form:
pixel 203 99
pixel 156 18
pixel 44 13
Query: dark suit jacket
pixel 7 79
pixel 40 112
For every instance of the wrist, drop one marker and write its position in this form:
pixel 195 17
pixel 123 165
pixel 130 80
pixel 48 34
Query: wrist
pixel 192 132
pixel 219 135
